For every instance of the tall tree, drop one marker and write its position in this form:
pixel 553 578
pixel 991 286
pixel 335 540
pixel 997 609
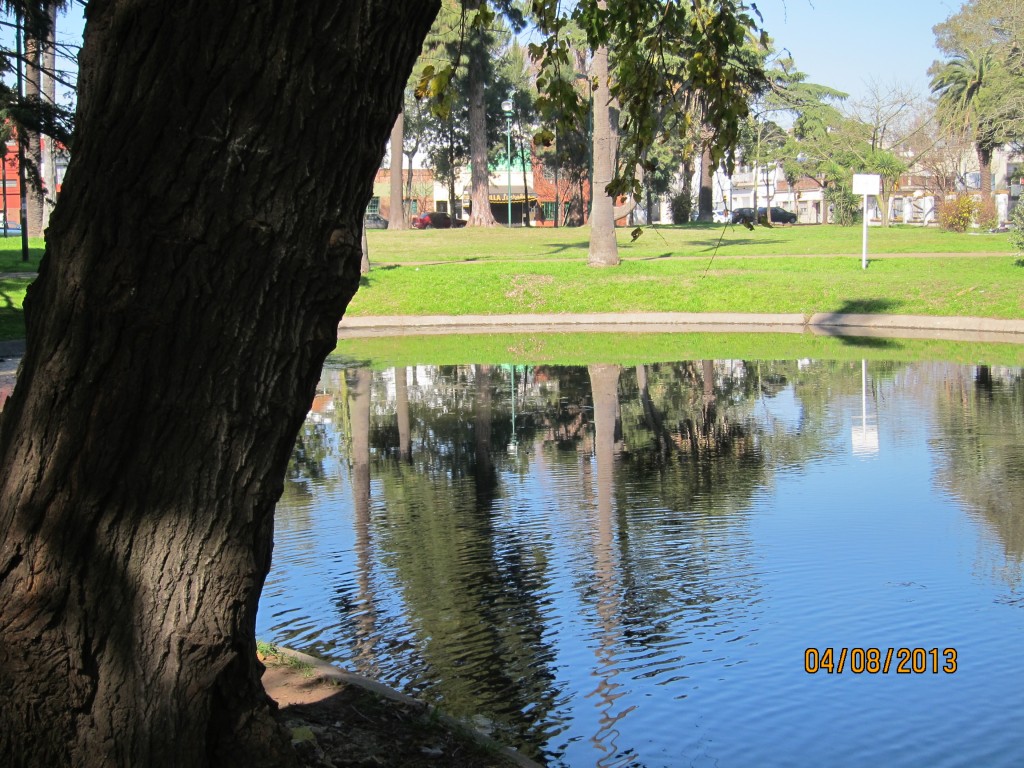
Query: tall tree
pixel 604 251
pixel 35 191
pixel 480 176
pixel 48 152
pixel 396 216
pixel 171 357
pixel 963 86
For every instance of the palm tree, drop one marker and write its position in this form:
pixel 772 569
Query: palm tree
pixel 962 85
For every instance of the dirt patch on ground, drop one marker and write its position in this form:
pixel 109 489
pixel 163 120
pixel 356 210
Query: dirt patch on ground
pixel 337 722
pixel 526 290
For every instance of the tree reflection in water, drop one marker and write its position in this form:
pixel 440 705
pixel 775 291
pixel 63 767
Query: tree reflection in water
pixel 619 517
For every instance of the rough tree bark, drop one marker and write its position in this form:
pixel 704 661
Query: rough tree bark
pixel 364 253
pixel 985 171
pixel 705 195
pixel 396 216
pixel 35 198
pixel 49 95
pixel 480 214
pixel 205 247
pixel 604 252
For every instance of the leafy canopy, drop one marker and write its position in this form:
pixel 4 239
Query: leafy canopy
pixel 670 55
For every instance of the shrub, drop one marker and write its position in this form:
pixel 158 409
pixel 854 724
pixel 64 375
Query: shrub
pixel 1017 233
pixel 956 214
pixel 682 207
pixel 987 217
pixel 846 206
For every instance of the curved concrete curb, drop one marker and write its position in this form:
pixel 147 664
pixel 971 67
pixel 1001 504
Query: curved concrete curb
pixel 917 322
pixel 324 669
pixel 831 324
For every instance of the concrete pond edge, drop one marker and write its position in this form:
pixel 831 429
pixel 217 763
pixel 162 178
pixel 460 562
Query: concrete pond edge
pixel 980 329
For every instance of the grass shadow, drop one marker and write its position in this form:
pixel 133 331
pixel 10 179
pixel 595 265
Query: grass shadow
pixel 1019 263
pixel 365 280
pixel 868 306
pixel 12 315
pixel 710 245
pixel 559 247
pixel 690 225
pixel 869 342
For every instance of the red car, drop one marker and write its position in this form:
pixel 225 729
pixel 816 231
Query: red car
pixel 436 220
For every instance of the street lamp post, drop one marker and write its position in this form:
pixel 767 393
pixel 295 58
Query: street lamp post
pixel 506 107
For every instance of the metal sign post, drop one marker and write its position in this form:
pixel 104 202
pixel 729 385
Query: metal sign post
pixel 866 184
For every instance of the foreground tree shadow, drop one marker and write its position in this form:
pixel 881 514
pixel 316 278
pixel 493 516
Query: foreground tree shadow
pixel 868 306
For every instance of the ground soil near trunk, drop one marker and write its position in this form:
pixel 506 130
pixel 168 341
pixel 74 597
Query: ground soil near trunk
pixel 335 723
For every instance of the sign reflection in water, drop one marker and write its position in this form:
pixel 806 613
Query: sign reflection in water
pixel 637 582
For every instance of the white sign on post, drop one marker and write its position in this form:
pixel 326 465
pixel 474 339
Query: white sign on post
pixel 866 184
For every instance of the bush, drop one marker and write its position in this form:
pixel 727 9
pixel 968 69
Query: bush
pixel 1017 233
pixel 987 217
pixel 846 206
pixel 682 207
pixel 958 213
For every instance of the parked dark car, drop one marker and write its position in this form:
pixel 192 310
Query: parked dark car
pixel 436 220
pixel 743 216
pixel 374 221
pixel 779 215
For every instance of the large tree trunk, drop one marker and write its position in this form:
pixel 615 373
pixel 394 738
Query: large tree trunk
pixel 402 408
pixel 49 94
pixel 985 171
pixel 396 216
pixel 205 247
pixel 705 196
pixel 604 251
pixel 35 201
pixel 480 214
pixel 364 253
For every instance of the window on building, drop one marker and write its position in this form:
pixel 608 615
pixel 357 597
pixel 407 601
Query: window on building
pixel 374 206
pixel 413 207
pixel 442 206
pixel 549 211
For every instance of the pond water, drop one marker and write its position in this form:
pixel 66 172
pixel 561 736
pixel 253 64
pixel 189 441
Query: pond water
pixel 613 566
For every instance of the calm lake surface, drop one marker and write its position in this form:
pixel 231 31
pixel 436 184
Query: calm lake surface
pixel 613 566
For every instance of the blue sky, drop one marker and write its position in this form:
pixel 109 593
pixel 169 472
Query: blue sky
pixel 847 43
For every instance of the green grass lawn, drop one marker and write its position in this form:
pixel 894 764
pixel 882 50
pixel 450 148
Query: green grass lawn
pixel 805 269
pixel 698 241
pixel 10 254
pixel 12 318
pixel 989 286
